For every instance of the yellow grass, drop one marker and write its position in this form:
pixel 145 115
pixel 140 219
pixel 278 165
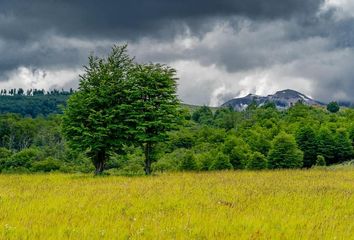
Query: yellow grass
pixel 314 204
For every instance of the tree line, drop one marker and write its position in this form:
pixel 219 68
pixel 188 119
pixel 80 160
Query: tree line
pixel 206 140
pixel 34 92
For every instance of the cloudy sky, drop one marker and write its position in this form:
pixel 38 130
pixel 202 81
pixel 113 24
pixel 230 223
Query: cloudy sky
pixel 220 48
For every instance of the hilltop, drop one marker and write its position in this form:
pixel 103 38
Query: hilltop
pixel 282 99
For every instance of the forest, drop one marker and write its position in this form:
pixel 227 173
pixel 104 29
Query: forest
pixel 207 139
pixel 34 102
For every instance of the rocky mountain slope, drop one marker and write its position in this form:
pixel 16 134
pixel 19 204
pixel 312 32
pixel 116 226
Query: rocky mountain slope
pixel 282 99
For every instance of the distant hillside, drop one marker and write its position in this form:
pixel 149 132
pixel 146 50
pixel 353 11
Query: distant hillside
pixel 282 99
pixel 45 104
pixel 32 106
pixel 192 108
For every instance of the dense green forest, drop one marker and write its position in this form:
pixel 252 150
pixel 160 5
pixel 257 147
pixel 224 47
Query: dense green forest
pixel 257 138
pixel 33 102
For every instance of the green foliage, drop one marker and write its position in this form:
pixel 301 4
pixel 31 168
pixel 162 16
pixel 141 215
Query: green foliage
pixel 24 158
pixel 284 152
pixel 133 167
pixel 333 107
pixel 151 106
pixel 5 153
pixel 238 151
pixel 326 145
pixel 120 102
pixel 320 161
pixel 93 121
pixel 203 115
pixel 164 165
pixel 188 162
pixel 307 142
pixel 258 140
pixel 351 134
pixel 344 148
pixel 170 161
pixel 47 165
pixel 221 162
pixel 257 161
pixel 181 139
pixel 226 118
pixel 33 106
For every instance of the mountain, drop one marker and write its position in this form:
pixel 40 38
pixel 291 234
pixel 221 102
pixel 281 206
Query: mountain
pixel 282 99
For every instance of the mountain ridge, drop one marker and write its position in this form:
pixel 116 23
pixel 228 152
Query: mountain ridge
pixel 283 99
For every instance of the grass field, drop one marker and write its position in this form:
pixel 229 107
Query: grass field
pixel 313 204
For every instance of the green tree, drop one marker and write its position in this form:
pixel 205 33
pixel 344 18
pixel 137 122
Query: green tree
pixel 257 161
pixel 326 145
pixel 203 115
pixel 351 134
pixel 152 107
pixel 188 162
pixel 221 162
pixel 344 148
pixel 238 151
pixel 333 107
pixel 307 142
pixel 284 152
pixel 94 119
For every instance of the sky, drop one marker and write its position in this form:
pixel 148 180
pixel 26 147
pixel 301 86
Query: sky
pixel 221 49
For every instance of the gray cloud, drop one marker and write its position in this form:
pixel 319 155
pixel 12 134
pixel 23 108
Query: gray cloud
pixel 221 48
pixel 134 18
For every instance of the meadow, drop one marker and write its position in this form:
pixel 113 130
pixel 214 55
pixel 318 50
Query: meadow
pixel 283 204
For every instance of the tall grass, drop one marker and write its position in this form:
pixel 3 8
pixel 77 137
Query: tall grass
pixel 313 204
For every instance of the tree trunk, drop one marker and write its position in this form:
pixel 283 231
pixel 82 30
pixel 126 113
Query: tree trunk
pixel 147 150
pixel 99 162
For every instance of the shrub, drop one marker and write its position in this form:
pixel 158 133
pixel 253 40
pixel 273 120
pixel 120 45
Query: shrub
pixel 257 161
pixel 133 167
pixel 47 165
pixel 164 165
pixel 320 161
pixel 24 158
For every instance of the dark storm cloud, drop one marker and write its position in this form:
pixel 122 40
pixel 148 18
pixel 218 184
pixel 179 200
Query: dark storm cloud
pixel 26 25
pixel 232 43
pixel 134 18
